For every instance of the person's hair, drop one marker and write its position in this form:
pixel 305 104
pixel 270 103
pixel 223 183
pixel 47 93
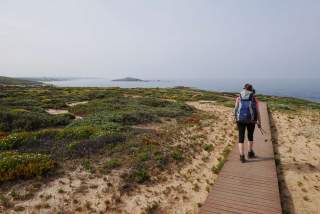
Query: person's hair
pixel 248 87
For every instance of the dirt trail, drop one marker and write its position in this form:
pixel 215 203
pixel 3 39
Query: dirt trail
pixel 63 111
pixel 76 103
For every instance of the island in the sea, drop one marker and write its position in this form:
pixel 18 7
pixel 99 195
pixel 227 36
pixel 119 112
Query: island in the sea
pixel 129 79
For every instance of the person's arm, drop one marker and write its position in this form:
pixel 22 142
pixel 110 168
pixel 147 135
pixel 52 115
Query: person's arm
pixel 258 113
pixel 236 108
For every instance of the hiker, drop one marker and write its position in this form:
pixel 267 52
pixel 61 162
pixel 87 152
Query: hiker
pixel 247 116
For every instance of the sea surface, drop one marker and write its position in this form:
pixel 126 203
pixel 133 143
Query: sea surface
pixel 300 88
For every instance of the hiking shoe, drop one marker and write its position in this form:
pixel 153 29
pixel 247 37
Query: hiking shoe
pixel 242 159
pixel 251 154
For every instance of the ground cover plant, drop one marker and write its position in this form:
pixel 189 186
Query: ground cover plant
pixel 13 165
pixel 107 115
pixel 27 128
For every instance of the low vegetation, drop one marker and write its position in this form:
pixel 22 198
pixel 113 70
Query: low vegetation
pixel 23 165
pixel 289 104
pixel 109 133
pixel 108 117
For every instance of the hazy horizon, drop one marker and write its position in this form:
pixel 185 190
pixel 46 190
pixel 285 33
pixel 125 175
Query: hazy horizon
pixel 160 39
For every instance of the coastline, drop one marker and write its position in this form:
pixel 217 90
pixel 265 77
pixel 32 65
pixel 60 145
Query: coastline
pixel 214 85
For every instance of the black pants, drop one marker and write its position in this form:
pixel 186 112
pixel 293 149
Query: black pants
pixel 242 129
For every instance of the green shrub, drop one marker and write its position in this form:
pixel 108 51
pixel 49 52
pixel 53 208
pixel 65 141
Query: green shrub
pixel 229 103
pixel 46 133
pixel 87 166
pixel 226 151
pixel 161 159
pixel 23 165
pixel 4 201
pixel 153 102
pixel 112 164
pixel 77 133
pixel 143 156
pixel 208 147
pixel 28 121
pixel 72 146
pixel 17 139
pixel 79 148
pixel 138 174
pixel 177 154
pixel 134 117
pixel 216 169
pixel 61 119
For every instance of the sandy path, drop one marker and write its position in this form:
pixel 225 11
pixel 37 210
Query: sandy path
pixel 63 111
pixel 57 111
pixel 76 103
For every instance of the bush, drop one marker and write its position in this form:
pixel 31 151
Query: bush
pixel 111 164
pixel 129 111
pixel 15 165
pixel 229 103
pixel 87 147
pixel 154 102
pixel 143 156
pixel 46 134
pixel 61 119
pixel 5 202
pixel 17 139
pixel 138 174
pixel 87 166
pixel 177 154
pixel 134 117
pixel 77 133
pixel 18 120
pixel 99 122
pixel 161 159
pixel 208 147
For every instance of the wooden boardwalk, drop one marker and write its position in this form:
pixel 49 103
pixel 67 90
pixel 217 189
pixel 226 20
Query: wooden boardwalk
pixel 250 187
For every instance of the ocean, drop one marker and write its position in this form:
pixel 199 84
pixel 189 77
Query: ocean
pixel 300 88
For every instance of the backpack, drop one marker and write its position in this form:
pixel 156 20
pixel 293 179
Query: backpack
pixel 247 110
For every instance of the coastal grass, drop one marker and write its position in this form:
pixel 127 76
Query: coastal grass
pixel 289 104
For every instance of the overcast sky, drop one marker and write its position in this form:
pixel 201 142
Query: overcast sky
pixel 160 38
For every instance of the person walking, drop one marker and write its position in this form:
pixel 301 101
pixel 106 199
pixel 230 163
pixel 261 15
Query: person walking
pixel 247 116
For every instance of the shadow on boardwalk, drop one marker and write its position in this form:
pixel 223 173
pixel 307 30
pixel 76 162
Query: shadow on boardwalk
pixel 259 159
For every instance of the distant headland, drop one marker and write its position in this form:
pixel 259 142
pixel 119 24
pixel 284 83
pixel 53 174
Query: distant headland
pixel 129 79
pixel 8 81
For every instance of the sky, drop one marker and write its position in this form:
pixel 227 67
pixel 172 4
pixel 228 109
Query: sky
pixel 160 39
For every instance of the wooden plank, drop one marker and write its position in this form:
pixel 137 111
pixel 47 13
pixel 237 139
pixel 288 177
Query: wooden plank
pixel 250 187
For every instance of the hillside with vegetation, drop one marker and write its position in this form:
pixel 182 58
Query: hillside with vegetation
pixel 18 82
pixel 114 149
